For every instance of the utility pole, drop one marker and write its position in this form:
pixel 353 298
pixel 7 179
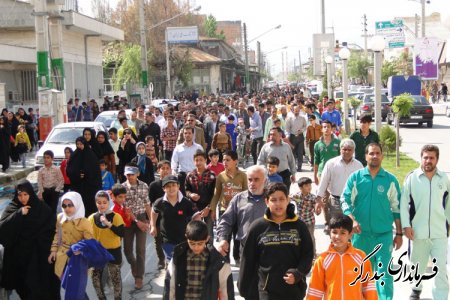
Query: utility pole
pixel 247 73
pixel 282 65
pixel 365 34
pixel 416 25
pixel 144 62
pixel 168 85
pixel 300 64
pixel 322 16
pixel 258 50
pixel 287 66
pixel 422 2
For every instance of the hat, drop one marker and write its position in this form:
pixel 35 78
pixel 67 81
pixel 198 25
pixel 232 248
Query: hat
pixel 131 170
pixel 169 179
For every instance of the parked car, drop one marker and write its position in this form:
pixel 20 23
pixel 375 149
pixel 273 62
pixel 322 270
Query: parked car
pixel 368 103
pixel 62 136
pixel 109 118
pixel 422 112
pixel 162 103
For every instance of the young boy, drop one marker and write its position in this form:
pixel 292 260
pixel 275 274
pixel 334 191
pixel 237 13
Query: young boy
pixel 215 166
pixel 313 134
pixel 272 168
pixel 230 130
pixel 193 260
pixel 108 228
pixel 200 184
pixel 150 149
pixel 107 178
pixel 22 144
pixel 305 202
pixel 221 140
pixel 175 212
pixel 241 140
pixel 331 278
pixel 50 181
pixel 119 195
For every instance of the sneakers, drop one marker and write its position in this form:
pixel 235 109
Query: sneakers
pixel 415 295
pixel 138 283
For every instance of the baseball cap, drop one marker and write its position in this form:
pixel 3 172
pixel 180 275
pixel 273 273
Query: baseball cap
pixel 169 179
pixel 131 170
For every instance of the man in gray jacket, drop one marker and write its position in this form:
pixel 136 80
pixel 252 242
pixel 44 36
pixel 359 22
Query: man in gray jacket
pixel 244 208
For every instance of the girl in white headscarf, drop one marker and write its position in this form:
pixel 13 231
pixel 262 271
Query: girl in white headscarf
pixel 71 227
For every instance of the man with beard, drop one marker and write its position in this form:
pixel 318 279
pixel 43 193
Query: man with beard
pixel 425 215
pixel 371 198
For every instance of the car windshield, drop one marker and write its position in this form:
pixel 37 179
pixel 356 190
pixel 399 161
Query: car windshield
pixel 370 98
pixel 64 135
pixel 420 100
pixel 106 119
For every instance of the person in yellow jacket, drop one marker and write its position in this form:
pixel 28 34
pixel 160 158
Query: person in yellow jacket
pixel 333 275
pixel 22 144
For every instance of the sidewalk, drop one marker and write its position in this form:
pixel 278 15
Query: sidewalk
pixel 17 172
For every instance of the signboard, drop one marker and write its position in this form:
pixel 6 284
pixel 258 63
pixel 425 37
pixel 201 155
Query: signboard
pixel 182 35
pixel 392 31
pixel 426 58
pixel 323 45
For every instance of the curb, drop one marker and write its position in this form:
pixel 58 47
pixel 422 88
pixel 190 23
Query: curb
pixel 13 175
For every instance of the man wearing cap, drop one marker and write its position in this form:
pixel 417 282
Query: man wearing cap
pixel 183 155
pixel 332 115
pixel 138 205
pixel 363 137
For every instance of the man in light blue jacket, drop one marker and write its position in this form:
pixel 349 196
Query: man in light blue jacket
pixel 425 215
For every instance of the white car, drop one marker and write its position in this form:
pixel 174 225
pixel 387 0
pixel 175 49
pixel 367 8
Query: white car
pixel 62 136
pixel 109 118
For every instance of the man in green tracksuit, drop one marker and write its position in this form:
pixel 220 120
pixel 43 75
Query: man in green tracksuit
pixel 371 198
pixel 425 214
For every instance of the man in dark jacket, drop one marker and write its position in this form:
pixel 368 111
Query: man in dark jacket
pixel 150 128
pixel 208 273
pixel 278 249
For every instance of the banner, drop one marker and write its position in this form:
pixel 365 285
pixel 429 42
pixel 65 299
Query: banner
pixel 426 58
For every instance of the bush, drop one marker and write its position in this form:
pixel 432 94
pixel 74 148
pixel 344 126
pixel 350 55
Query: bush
pixel 387 139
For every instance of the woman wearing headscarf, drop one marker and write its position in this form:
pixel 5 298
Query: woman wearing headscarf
pixel 12 125
pixel 83 171
pixel 108 152
pixel 27 226
pixel 71 227
pixel 89 136
pixel 126 152
pixel 145 165
pixel 5 149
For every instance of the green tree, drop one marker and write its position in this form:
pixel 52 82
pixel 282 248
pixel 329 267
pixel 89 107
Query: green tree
pixel 210 26
pixel 182 66
pixel 388 69
pixel 357 66
pixel 354 103
pixel 401 106
pixel 129 71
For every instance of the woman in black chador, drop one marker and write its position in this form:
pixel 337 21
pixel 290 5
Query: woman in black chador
pixel 83 171
pixel 27 227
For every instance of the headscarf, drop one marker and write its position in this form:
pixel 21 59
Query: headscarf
pixel 103 193
pixel 141 158
pixel 78 204
pixel 105 146
pixel 95 146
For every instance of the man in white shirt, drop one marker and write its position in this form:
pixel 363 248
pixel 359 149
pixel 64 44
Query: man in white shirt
pixel 334 177
pixel 115 144
pixel 295 127
pixel 183 156
pixel 163 122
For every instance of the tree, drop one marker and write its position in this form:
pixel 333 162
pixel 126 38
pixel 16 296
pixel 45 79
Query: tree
pixel 182 66
pixel 357 66
pixel 388 69
pixel 210 26
pixel 401 106
pixel 354 103
pixel 129 71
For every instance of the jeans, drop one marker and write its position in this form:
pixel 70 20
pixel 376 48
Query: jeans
pixel 168 250
pixel 137 262
pixel 299 148
pixel 23 159
pixel 158 241
pixel 257 144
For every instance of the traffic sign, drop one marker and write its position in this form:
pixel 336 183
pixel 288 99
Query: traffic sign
pixel 392 31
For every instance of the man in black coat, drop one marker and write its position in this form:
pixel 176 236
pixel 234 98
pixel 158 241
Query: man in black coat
pixel 150 128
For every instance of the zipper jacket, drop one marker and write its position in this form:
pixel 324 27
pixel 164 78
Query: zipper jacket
pixel 333 272
pixel 374 202
pixel 271 250
pixel 424 204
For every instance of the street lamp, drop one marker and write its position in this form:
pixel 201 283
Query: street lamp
pixel 328 61
pixel 377 44
pixel 344 54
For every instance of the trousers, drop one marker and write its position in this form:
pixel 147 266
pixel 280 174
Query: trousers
pixel 137 262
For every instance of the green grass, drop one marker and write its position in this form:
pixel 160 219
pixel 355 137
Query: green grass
pixel 407 164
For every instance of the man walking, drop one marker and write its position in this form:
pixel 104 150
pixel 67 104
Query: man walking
pixel 296 126
pixel 335 174
pixel 425 215
pixel 277 148
pixel 256 132
pixel 372 199
pixel 363 137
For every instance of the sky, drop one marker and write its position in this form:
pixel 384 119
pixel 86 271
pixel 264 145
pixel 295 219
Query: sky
pixel 299 19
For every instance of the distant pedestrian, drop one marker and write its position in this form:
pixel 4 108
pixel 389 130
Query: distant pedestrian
pixel 22 144
pixel 363 137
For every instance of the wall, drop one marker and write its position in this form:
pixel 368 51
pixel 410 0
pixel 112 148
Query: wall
pixel 215 78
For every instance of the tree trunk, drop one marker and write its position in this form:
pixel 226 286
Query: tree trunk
pixel 397 140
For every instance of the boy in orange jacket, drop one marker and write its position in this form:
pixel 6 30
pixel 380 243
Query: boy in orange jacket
pixel 333 275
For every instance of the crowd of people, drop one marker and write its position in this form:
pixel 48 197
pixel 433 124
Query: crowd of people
pixel 183 175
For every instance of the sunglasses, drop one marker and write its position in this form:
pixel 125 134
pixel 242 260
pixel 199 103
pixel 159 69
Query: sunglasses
pixel 67 205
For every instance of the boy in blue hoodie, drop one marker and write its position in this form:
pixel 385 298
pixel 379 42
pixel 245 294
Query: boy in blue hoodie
pixel 272 168
pixel 107 178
